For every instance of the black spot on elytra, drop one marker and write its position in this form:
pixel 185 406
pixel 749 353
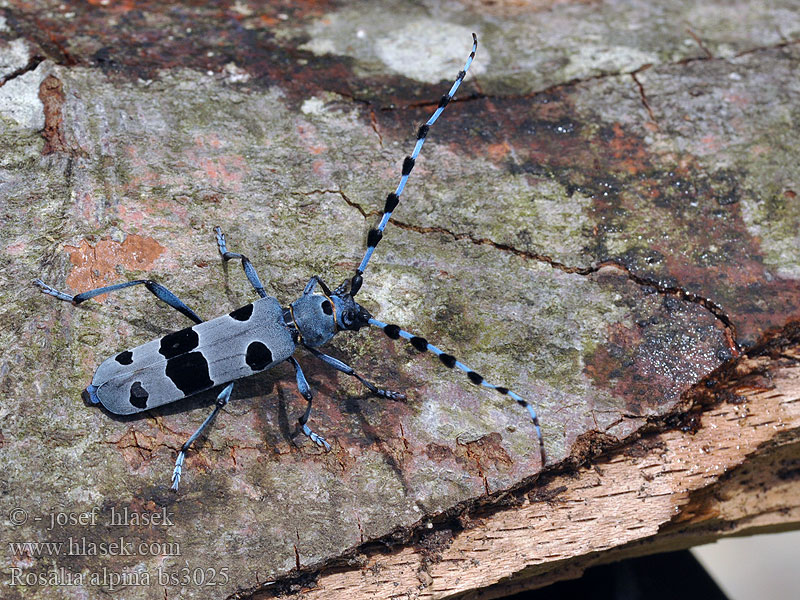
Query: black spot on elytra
pixel 189 372
pixel 180 342
pixel 242 314
pixel 139 395
pixel 327 307
pixel 124 358
pixel 258 356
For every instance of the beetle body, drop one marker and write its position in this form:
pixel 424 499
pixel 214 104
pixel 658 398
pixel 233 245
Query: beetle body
pixel 250 339
pixel 245 341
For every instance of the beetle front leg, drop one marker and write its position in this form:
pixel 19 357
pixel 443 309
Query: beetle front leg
pixel 247 266
pixel 347 369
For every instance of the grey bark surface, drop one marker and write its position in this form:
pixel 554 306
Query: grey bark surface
pixel 605 216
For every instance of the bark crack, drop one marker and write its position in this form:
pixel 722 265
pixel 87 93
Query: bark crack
pixel 33 62
pixel 767 48
pixel 642 94
pixel 479 95
pixel 344 197
pixel 676 290
pixel 659 287
pixel 66 59
pixel 374 122
pixel 682 293
pixel 700 43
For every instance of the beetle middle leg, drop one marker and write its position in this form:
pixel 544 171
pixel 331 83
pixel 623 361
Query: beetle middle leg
pixel 305 390
pixel 222 400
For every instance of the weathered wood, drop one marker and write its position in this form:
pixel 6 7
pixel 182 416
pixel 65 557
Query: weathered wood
pixel 738 473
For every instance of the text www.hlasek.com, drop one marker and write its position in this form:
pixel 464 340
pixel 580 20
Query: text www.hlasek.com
pixel 82 546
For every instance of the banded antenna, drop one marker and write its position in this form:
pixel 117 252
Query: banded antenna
pixel 450 361
pixel 375 235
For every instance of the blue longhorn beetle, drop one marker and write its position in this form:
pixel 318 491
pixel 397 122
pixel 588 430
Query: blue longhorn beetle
pixel 257 336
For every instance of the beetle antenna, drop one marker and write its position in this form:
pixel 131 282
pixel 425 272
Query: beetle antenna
pixel 450 361
pixel 375 235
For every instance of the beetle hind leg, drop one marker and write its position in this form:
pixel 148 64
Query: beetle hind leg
pixel 158 290
pixel 222 400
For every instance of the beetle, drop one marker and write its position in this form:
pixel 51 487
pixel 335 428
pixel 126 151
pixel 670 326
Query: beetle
pixel 259 335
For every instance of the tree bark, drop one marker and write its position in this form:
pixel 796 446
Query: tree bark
pixel 733 469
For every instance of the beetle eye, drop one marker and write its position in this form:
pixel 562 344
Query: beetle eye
pixel 347 318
